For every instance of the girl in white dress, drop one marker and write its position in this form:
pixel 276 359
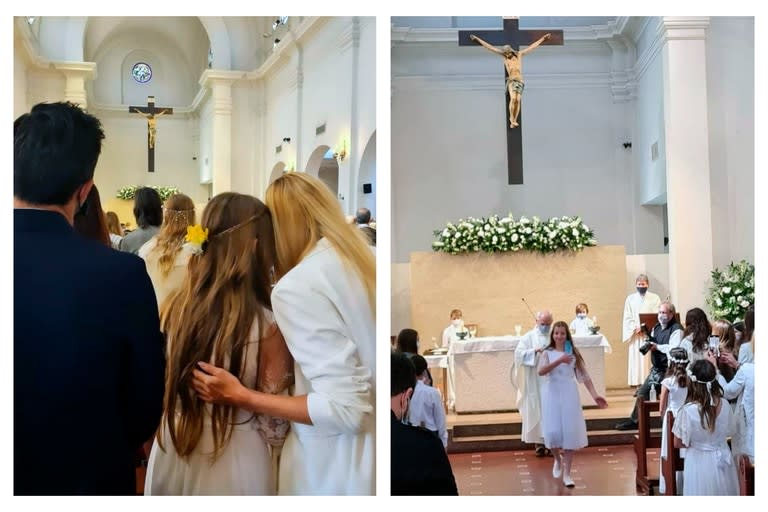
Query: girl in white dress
pixel 562 419
pixel 324 302
pixel 222 314
pixel 674 391
pixel 165 254
pixel 702 426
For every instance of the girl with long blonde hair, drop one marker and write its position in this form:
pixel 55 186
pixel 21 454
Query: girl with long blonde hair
pixel 324 303
pixel 222 315
pixel 165 255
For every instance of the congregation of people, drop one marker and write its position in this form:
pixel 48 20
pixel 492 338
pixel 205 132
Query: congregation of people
pixel 235 353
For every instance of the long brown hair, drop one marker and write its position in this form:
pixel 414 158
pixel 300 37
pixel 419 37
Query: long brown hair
pixel 705 391
pixel 113 224
pixel 304 210
pixel 579 360
pixel 698 328
pixel 210 317
pixel 179 213
pixel 92 223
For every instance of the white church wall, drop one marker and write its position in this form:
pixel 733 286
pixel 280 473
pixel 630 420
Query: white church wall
pixel 60 38
pixel 44 85
pixel 280 121
pixel 20 70
pixel 173 82
pixel 442 170
pixel 731 101
pixel 125 148
pixel 245 132
pixel 205 149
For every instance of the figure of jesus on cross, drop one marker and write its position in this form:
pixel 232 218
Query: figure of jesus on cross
pixel 151 113
pixel 513 63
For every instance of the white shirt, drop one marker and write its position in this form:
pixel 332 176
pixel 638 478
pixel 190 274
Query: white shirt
pixel 322 309
pixel 426 410
pixel 581 326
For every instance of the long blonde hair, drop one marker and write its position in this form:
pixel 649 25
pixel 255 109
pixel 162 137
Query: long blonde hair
pixel 304 210
pixel 179 213
pixel 210 317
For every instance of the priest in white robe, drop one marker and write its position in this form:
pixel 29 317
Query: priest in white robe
pixel 642 301
pixel 529 382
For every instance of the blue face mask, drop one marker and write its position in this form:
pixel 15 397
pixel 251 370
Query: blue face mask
pixel 663 319
pixel 543 329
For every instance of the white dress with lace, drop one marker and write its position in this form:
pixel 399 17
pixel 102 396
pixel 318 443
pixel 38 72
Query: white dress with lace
pixel 244 466
pixel 675 400
pixel 709 467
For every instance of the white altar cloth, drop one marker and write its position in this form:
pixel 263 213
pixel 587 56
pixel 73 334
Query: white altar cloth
pixel 484 369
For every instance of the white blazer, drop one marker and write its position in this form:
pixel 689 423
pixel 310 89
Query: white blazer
pixel 322 310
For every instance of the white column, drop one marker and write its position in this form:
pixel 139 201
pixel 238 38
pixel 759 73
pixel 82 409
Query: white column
pixel 220 85
pixel 687 159
pixel 76 74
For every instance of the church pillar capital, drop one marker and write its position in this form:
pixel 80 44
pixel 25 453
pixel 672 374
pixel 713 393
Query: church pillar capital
pixel 76 75
pixel 683 27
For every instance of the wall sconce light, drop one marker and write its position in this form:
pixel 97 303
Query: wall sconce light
pixel 287 140
pixel 341 154
pixel 627 145
pixel 274 45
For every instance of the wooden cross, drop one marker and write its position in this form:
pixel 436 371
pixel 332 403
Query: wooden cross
pixel 151 113
pixel 514 37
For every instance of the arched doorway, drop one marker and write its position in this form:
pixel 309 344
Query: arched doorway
pixel 322 165
pixel 366 179
pixel 277 171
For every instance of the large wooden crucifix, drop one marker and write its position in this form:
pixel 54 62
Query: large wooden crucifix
pixel 151 112
pixel 509 41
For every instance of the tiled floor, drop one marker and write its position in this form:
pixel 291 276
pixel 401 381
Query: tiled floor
pixel 597 471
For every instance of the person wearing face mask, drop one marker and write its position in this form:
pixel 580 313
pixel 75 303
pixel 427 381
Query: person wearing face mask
pixel 666 335
pixel 529 382
pixel 449 337
pixel 581 324
pixel 419 464
pixel 642 301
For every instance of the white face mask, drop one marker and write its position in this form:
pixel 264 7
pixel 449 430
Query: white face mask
pixel 456 322
pixel 581 315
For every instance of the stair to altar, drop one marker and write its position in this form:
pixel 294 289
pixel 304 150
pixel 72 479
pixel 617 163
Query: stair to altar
pixel 500 431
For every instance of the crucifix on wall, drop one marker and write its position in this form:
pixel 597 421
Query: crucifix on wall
pixel 507 43
pixel 151 112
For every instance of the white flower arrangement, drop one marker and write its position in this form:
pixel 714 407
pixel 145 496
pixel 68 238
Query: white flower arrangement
pixel 732 291
pixel 129 193
pixel 494 234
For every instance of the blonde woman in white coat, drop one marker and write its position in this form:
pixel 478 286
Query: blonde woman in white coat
pixel 324 304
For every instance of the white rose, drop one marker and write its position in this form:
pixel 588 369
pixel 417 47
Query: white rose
pixel 744 304
pixel 446 232
pixel 726 289
pixel 494 239
pixel 575 232
pixel 514 237
pixel 457 235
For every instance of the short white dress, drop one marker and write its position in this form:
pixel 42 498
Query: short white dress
pixel 562 419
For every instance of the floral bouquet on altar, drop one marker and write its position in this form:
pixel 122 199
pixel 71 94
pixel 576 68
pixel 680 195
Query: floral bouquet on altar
pixel 732 291
pixel 130 192
pixel 503 234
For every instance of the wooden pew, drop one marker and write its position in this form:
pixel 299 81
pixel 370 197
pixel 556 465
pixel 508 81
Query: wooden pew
pixel 647 474
pixel 746 476
pixel 672 462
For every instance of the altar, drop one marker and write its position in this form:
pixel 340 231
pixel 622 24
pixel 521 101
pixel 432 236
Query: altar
pixel 485 371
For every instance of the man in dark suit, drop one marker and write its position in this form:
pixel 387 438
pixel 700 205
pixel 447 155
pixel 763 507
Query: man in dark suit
pixel 362 219
pixel 420 466
pixel 88 353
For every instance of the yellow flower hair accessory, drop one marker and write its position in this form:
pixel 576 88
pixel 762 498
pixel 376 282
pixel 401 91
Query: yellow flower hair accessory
pixel 197 238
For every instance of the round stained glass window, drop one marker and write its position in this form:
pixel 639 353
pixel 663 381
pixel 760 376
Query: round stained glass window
pixel 141 72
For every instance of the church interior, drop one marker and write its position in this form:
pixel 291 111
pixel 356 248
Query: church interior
pixel 247 99
pixel 643 128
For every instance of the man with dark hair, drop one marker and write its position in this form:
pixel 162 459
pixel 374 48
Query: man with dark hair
pixel 148 210
pixel 419 464
pixel 88 353
pixel 362 219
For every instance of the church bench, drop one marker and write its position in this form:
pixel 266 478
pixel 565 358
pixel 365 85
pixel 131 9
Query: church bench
pixel 646 446
pixel 746 476
pixel 673 462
